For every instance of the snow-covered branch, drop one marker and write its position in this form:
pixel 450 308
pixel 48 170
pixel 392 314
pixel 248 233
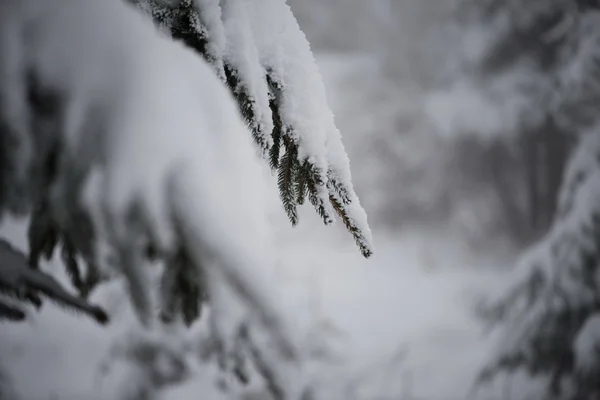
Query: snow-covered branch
pixel 258 49
pixel 20 281
pixel 554 297
pixel 142 136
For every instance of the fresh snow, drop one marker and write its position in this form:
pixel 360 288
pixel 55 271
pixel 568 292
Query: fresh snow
pixel 398 325
pixel 285 53
pixel 261 38
pixel 241 54
pixel 215 31
pixel 165 151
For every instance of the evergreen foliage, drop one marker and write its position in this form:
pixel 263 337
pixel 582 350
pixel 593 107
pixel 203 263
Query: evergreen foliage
pixel 546 319
pixel 94 173
pixel 543 52
pixel 556 292
pixel 19 282
pixel 114 190
pixel 298 176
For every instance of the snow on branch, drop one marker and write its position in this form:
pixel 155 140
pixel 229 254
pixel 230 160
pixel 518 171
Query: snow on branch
pixel 556 283
pixel 18 280
pixel 259 50
pixel 144 134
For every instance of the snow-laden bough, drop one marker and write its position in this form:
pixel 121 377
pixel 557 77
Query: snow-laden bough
pixel 152 148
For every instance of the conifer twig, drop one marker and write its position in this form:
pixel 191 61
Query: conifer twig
pixel 24 282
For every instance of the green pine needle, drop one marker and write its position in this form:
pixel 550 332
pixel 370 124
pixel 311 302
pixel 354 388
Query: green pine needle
pixel 340 189
pixel 277 135
pixel 314 179
pixel 359 238
pixel 302 182
pixel 246 106
pixel 288 170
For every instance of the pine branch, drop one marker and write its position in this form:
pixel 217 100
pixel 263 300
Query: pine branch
pixel 359 238
pixel 288 170
pixel 44 236
pixel 296 178
pixel 314 182
pixel 182 289
pixel 184 23
pixel 21 294
pixel 277 135
pixel 340 198
pixel 47 285
pixel 338 188
pixel 181 20
pixel 17 277
pixel 302 185
pixel 246 106
pixel 11 313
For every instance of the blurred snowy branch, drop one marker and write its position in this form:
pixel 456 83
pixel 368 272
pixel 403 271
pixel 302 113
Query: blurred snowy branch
pixel 20 281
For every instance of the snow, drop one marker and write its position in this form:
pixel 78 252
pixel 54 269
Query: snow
pixel 215 31
pixel 241 54
pixel 414 296
pixel 159 157
pixel 285 53
pixel 398 323
pixel 586 345
pixel 554 275
pixel 149 136
pixel 263 38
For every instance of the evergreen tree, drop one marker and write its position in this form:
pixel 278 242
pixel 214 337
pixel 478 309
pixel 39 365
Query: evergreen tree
pixel 267 65
pixel 516 66
pixel 547 316
pixel 547 320
pixel 125 148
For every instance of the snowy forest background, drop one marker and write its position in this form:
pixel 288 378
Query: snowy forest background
pixel 471 129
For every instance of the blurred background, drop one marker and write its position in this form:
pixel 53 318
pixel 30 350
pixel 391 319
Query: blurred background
pixel 430 142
